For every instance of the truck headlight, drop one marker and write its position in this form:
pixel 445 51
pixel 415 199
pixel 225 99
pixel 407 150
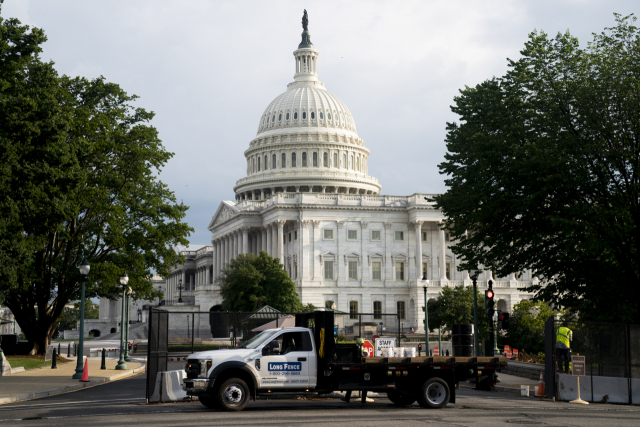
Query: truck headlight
pixel 205 365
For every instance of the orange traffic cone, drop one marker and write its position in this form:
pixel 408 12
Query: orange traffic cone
pixel 85 371
pixel 540 386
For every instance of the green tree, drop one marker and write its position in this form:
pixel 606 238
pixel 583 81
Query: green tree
pixel 455 305
pixel 526 326
pixel 543 172
pixel 78 179
pixel 248 283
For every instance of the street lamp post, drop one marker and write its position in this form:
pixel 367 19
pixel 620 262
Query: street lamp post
pixel 491 330
pixel 122 366
pixel 426 314
pixel 84 272
pixel 127 358
pixel 180 287
pixel 475 316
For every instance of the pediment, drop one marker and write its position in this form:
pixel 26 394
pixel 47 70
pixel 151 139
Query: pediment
pixel 375 256
pixel 225 212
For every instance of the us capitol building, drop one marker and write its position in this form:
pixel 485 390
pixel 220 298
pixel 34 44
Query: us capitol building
pixel 308 199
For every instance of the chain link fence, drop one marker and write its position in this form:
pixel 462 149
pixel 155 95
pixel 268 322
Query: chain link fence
pixel 173 335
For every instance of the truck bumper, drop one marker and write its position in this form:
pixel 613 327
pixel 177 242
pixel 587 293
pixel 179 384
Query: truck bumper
pixel 195 386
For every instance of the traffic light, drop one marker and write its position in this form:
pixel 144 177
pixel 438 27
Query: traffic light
pixel 419 349
pixel 503 320
pixel 488 303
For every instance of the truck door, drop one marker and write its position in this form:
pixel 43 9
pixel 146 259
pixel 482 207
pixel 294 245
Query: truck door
pixel 287 364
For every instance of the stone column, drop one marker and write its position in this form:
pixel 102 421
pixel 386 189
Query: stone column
pixel 280 224
pixel 364 239
pixel 227 248
pixel 264 242
pixel 411 266
pixel 269 247
pixel 314 252
pixel 388 245
pixel 274 240
pixel 418 225
pixel 442 253
pixel 258 238
pixel 245 240
pixel 304 242
pixel 340 238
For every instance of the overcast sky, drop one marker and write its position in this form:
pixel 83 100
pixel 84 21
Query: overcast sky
pixel 208 69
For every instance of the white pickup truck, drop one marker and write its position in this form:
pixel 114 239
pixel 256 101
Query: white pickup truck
pixel 305 359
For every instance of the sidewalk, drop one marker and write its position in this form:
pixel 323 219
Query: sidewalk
pixel 42 382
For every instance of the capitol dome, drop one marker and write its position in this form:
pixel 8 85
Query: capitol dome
pixel 306 141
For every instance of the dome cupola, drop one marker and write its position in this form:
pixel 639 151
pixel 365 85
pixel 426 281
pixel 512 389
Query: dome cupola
pixel 306 139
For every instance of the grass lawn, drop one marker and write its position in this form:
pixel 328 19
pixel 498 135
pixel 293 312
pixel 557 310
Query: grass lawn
pixel 31 362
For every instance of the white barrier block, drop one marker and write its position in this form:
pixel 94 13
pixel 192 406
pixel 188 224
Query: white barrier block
pixel 168 386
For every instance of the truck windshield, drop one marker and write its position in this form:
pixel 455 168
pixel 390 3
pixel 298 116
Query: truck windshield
pixel 259 339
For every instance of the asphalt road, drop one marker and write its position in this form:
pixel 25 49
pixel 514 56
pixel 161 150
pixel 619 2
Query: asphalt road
pixel 122 403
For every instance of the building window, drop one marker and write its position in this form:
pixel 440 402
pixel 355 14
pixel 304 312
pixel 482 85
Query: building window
pixel 266 162
pixel 284 160
pixel 352 235
pixel 400 235
pixel 375 270
pixel 353 270
pixel 289 237
pixel 295 116
pixel 325 160
pixel 335 160
pixel 399 271
pixel 351 162
pixel 273 119
pixel 328 304
pixel 315 160
pixel 448 271
pixel 329 116
pixel 375 235
pixel 353 309
pixel 293 160
pixel 424 236
pixel 425 270
pixel 400 309
pixel 295 235
pixel 446 237
pixel 328 234
pixel 344 161
pixel 295 271
pixel 304 114
pixel 321 115
pixel 377 309
pixel 328 270
pixel 259 164
pixel 304 160
pixel 313 115
pixel 280 117
pixel 273 162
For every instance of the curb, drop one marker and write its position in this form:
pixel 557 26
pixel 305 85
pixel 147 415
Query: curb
pixel 66 389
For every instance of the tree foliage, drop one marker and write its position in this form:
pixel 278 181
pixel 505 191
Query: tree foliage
pixel 543 172
pixel 78 180
pixel 247 283
pixel 526 326
pixel 455 305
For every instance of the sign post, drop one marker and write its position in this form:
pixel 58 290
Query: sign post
pixel 578 365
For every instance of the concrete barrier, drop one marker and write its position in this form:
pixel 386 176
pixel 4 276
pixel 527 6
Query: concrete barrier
pixel 168 386
pixel 605 389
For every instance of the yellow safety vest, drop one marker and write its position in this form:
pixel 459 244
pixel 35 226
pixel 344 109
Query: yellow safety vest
pixel 562 336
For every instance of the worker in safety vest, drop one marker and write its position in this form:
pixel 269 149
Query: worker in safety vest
pixel 564 336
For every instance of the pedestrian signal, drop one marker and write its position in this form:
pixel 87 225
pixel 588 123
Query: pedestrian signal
pixel 503 320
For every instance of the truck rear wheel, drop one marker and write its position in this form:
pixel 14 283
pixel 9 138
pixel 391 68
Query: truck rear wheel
pixel 209 401
pixel 435 394
pixel 400 399
pixel 233 395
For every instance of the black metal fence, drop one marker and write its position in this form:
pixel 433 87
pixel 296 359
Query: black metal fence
pixel 176 334
pixel 612 354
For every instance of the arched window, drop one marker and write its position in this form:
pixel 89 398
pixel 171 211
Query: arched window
pixel 329 116
pixel 315 160
pixel 273 162
pixel 258 164
pixel 344 161
pixel 295 116
pixel 358 163
pixel 351 162
pixel 266 162
pixel 313 115
pixel 293 160
pixel 335 160
pixel 325 160
pixel 304 160
pixel 304 115
pixel 273 119
pixel 321 115
pixel 280 117
pixel 284 160
pixel 287 116
pixel 253 165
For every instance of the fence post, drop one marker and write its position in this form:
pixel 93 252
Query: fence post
pixel 549 365
pixel 360 325
pixel 628 365
pixel 193 331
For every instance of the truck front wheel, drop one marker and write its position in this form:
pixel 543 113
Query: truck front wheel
pixel 233 395
pixel 400 399
pixel 209 401
pixel 435 394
